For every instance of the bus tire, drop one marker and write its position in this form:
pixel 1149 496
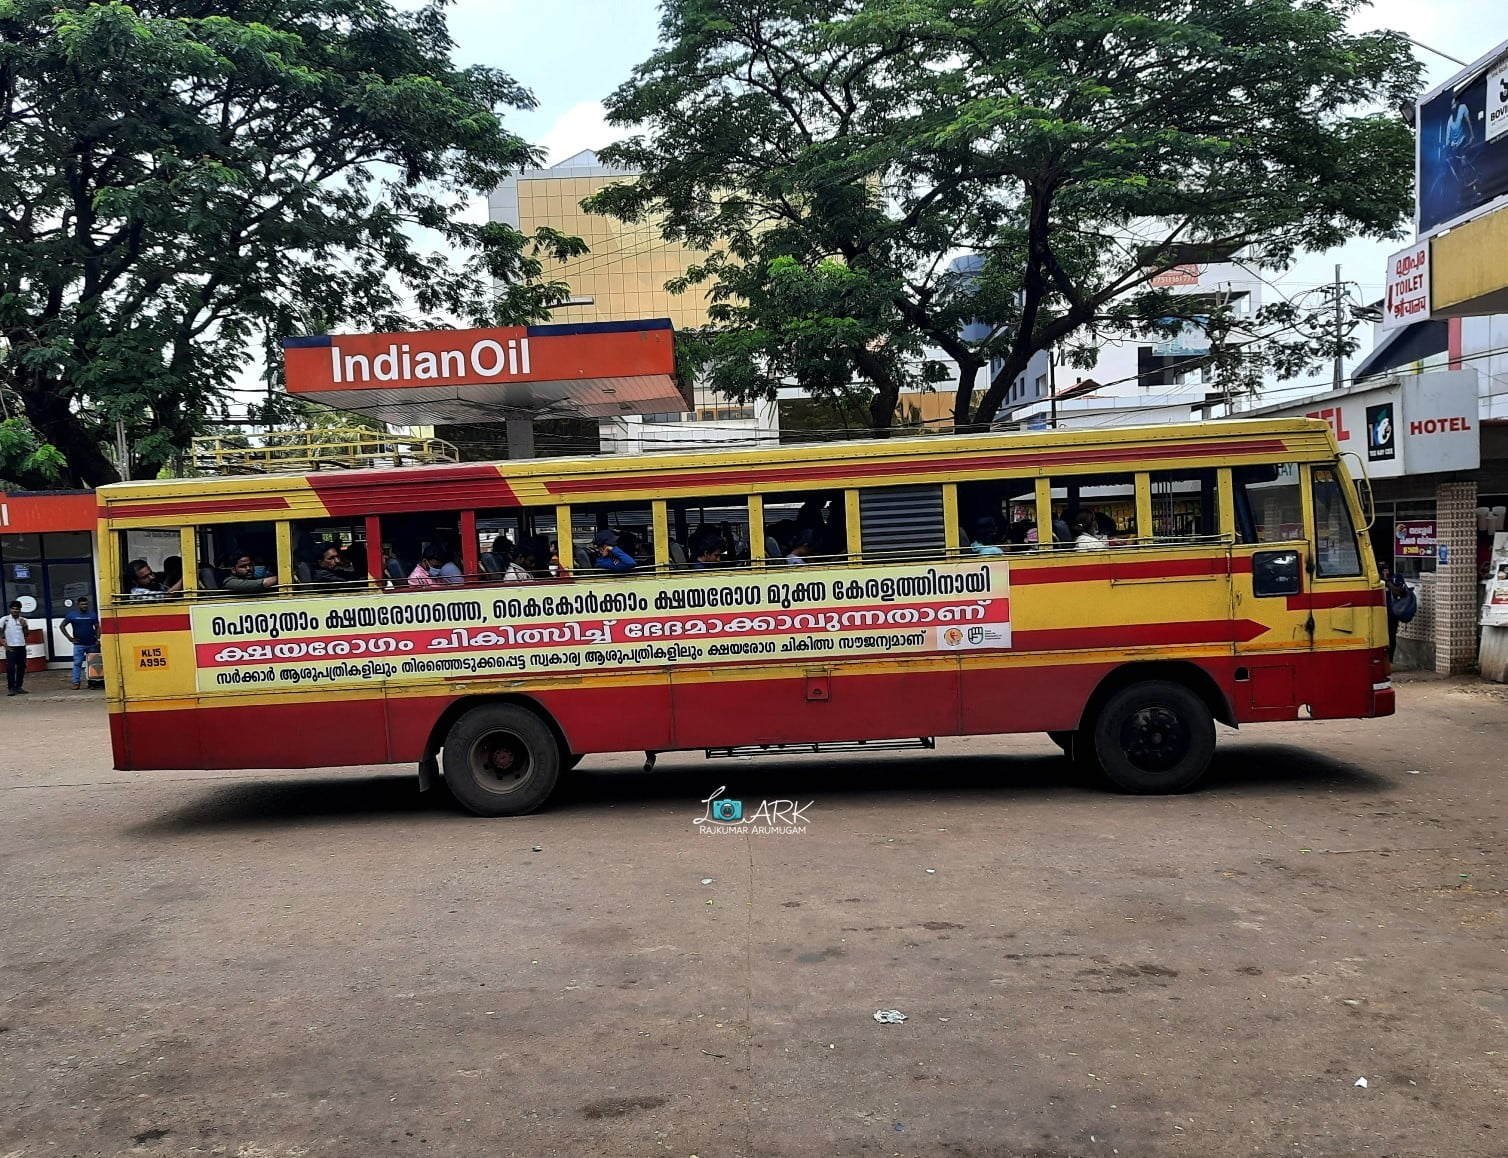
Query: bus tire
pixel 1154 737
pixel 501 760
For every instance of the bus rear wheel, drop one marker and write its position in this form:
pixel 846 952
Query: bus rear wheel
pixel 1154 737
pixel 501 760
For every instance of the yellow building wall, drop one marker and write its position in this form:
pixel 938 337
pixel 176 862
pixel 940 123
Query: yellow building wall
pixel 625 272
pixel 1469 267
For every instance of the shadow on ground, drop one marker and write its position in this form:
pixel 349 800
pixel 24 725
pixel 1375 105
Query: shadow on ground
pixel 1247 770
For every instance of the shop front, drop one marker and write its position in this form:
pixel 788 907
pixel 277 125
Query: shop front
pixel 47 559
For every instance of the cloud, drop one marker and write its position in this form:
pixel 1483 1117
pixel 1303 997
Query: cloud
pixel 582 126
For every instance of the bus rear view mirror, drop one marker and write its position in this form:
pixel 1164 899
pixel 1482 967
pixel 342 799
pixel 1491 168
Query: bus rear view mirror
pixel 1276 573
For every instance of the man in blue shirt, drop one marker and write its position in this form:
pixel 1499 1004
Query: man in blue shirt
pixel 80 627
pixel 610 556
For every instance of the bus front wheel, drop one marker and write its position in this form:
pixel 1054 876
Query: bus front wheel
pixel 501 760
pixel 1154 737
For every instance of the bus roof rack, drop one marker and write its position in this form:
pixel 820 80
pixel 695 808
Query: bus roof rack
pixel 302 451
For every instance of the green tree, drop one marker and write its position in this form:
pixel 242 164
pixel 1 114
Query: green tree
pixel 183 181
pixel 1074 147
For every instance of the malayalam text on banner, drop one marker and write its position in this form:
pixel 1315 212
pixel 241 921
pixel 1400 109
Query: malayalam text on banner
pixel 698 619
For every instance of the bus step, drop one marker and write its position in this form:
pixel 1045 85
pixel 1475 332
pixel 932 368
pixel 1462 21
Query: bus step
pixel 926 742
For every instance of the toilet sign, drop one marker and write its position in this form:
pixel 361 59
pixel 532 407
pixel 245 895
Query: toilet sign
pixel 1405 297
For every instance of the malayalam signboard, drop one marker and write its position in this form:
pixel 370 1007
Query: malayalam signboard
pixel 1414 539
pixel 693 620
pixel 1406 299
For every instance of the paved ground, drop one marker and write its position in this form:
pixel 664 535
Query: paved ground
pixel 326 963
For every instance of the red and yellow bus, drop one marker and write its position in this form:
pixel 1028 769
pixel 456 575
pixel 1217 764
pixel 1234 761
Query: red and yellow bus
pixel 1122 590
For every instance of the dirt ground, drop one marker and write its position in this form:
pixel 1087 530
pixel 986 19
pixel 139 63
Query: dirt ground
pixel 329 963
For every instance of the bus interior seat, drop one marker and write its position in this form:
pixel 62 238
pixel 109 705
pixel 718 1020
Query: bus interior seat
pixel 678 555
pixel 490 563
pixel 583 557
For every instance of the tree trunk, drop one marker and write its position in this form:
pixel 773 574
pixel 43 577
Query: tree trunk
pixel 963 400
pixel 887 393
pixel 55 422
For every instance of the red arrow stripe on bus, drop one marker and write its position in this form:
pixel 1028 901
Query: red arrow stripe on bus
pixel 844 471
pixel 1138 635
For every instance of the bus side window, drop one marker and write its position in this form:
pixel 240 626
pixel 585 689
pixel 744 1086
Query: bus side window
pixel 1269 504
pixel 999 514
pixel 631 524
pixel 313 537
pixel 411 535
pixel 804 525
pixel 508 535
pixel 1184 504
pixel 703 528
pixel 902 522
pixel 1091 511
pixel 151 563
pixel 218 545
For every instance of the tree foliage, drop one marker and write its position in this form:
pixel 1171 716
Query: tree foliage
pixel 833 155
pixel 183 182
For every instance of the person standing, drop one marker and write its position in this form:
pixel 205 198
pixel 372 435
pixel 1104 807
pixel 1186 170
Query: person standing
pixel 15 650
pixel 80 627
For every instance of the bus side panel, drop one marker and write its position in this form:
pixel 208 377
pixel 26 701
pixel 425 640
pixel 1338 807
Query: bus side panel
pixel 247 734
pixel 1028 698
pixel 812 705
pixel 615 717
pixel 1345 684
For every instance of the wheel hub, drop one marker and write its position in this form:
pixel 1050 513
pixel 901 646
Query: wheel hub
pixel 1155 739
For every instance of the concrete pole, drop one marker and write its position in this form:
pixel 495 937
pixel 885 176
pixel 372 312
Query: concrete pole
pixel 520 437
pixel 1340 361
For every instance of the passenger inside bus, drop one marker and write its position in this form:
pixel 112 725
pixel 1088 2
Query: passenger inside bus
pixel 610 556
pixel 328 567
pixel 243 579
pixel 801 546
pixel 144 583
pixel 426 572
pixel 1084 525
pixel 512 570
pixel 986 537
pixel 1020 534
pixel 707 548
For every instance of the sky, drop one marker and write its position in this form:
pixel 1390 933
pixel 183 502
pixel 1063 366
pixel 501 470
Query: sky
pixel 573 53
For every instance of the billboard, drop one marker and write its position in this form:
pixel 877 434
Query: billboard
pixel 1461 143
